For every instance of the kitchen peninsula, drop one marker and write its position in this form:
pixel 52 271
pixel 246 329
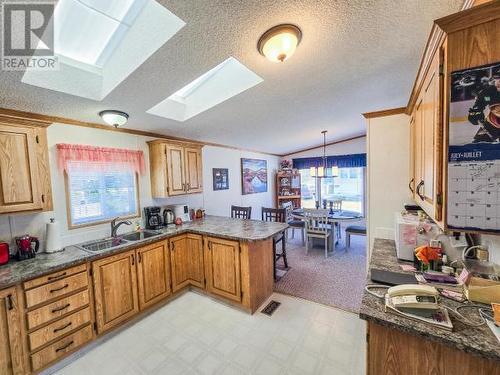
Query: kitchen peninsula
pixel 56 303
pixel 397 345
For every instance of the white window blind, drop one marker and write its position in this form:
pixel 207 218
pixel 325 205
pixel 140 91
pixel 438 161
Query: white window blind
pixel 98 194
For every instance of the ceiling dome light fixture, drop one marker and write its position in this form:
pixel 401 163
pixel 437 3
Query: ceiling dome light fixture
pixel 114 118
pixel 279 42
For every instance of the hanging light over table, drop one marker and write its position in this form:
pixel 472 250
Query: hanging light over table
pixel 322 171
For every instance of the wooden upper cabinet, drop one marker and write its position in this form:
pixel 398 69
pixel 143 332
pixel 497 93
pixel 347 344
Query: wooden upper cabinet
pixel 186 258
pixel 115 290
pixel 427 143
pixel 193 170
pixel 12 359
pixel 176 169
pixel 24 168
pixel 153 273
pixel 18 170
pixel 223 268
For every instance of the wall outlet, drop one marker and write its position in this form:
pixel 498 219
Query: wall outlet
pixel 460 242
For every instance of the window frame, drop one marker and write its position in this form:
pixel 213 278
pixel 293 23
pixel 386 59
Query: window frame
pixel 69 218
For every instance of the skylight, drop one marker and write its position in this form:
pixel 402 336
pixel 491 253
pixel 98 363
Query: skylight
pixel 88 31
pixel 220 83
pixel 99 43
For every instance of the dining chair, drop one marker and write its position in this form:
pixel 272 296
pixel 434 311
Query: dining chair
pixel 277 215
pixel 240 212
pixel 337 206
pixel 293 222
pixel 317 226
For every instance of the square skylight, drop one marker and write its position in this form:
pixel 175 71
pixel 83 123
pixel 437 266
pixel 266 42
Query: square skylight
pixel 89 30
pixel 99 43
pixel 220 83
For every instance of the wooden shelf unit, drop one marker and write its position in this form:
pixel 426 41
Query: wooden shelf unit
pixel 288 187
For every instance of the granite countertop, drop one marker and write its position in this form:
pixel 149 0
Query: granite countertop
pixel 234 229
pixel 476 340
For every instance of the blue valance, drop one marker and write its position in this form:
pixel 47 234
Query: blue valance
pixel 341 161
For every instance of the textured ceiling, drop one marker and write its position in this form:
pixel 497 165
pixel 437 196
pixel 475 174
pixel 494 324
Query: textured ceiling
pixel 355 56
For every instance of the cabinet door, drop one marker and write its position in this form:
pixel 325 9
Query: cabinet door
pixel 175 170
pixel 186 253
pixel 19 189
pixel 222 268
pixel 431 141
pixel 412 178
pixel 193 170
pixel 153 273
pixel 12 360
pixel 115 289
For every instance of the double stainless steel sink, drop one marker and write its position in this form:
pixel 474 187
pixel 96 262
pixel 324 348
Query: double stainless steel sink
pixel 112 242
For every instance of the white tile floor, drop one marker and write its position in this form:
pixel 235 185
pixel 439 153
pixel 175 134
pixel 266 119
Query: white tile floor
pixel 196 335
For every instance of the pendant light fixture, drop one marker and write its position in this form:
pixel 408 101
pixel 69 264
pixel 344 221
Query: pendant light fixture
pixel 322 171
pixel 279 42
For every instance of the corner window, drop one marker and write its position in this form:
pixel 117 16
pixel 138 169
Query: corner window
pixel 98 193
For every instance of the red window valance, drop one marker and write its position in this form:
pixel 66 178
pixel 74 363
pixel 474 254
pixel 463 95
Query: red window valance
pixel 99 157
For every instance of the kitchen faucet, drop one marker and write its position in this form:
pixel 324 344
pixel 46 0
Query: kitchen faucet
pixel 115 226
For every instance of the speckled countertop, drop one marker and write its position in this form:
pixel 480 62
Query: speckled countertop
pixel 476 340
pixel 223 227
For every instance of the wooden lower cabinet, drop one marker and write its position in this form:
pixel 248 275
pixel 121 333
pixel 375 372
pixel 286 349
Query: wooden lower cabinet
pixel 153 274
pixel 12 356
pixel 222 268
pixel 186 258
pixel 115 290
pixel 392 352
pixel 62 311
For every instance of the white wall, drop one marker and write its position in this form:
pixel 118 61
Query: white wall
pixel 214 202
pixel 388 160
pixel 355 146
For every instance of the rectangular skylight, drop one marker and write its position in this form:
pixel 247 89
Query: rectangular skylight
pixel 220 83
pixel 99 43
pixel 87 31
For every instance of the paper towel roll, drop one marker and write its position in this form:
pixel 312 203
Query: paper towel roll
pixel 52 237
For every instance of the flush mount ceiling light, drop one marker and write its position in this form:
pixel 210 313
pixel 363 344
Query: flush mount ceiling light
pixel 279 42
pixel 114 118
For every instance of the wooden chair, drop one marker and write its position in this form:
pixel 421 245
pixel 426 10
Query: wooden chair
pixel 337 206
pixel 353 230
pixel 241 212
pixel 292 222
pixel 277 215
pixel 317 226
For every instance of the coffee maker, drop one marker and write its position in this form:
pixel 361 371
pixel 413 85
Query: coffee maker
pixel 153 217
pixel 27 246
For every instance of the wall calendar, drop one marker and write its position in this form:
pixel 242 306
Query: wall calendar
pixel 474 150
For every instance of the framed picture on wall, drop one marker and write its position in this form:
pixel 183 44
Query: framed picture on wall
pixel 253 176
pixel 220 178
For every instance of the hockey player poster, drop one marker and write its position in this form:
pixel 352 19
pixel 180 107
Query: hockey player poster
pixel 474 150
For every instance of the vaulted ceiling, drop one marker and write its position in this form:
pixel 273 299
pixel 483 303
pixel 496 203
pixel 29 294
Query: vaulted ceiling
pixel 355 56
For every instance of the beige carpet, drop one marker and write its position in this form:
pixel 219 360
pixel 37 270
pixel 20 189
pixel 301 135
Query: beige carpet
pixel 337 281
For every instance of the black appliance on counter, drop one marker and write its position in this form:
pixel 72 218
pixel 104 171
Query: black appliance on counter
pixel 153 217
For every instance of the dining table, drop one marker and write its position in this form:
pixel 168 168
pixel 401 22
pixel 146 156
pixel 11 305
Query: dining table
pixel 334 216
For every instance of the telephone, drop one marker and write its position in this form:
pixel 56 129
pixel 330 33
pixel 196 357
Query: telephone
pixel 412 296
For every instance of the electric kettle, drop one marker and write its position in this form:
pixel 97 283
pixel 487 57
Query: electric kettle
pixel 168 216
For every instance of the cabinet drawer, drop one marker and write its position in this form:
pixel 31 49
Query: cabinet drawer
pixel 54 276
pixel 56 289
pixel 61 348
pixel 58 328
pixel 56 309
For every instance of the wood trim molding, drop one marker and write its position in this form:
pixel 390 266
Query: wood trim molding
pixel 328 144
pixel 31 118
pixel 470 17
pixel 385 112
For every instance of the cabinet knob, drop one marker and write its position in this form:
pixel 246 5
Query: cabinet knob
pixel 10 304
